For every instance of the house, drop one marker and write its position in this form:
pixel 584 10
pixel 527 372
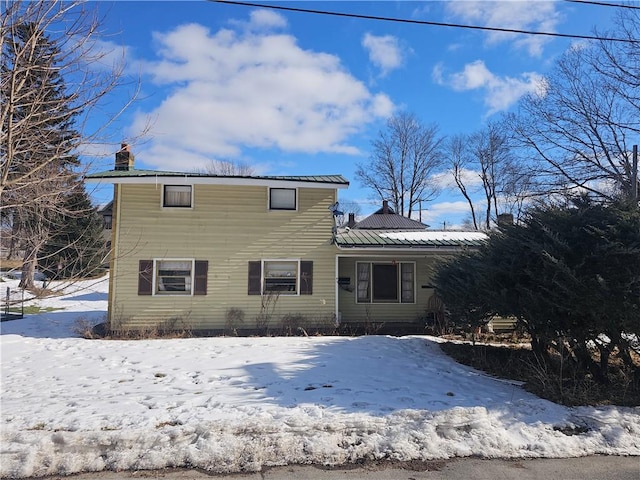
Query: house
pixel 210 252
pixel 385 264
pixel 189 248
pixel 106 212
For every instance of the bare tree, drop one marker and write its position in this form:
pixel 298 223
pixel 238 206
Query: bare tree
pixel 459 164
pixel 350 206
pixel 228 168
pixel 54 77
pixel 620 61
pixel 493 157
pixel 404 157
pixel 580 127
pixel 488 175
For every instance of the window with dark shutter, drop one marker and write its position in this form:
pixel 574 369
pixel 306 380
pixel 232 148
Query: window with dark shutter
pixel 200 284
pixel 255 278
pixel 145 277
pixel 306 278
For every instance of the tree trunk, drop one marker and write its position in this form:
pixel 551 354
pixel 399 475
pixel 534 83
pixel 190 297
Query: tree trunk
pixel 28 270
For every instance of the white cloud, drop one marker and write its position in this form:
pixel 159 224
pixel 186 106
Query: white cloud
pixel 474 76
pixel 260 20
pixel 384 52
pixel 453 213
pixel 236 89
pixel 513 14
pixel 104 55
pixel 444 180
pixel 267 19
pixel 500 93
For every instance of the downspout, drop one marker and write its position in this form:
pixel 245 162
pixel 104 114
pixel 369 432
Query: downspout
pixel 334 233
pixel 337 293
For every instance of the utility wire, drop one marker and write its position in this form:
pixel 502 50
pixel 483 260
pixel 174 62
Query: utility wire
pixel 424 22
pixel 604 4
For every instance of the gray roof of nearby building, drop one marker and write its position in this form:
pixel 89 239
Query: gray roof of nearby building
pixel 389 221
pixel 386 218
pixel 106 208
pixel 429 239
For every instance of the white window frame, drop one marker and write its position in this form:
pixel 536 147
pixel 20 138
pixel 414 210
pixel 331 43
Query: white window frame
pixel 371 281
pixel 157 292
pixel 295 199
pixel 162 202
pixel 263 273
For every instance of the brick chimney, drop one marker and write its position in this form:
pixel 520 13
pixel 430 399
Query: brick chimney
pixel 352 220
pixel 505 219
pixel 124 158
pixel 385 207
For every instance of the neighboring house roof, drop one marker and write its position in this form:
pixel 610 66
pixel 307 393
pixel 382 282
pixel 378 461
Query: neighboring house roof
pixel 386 219
pixel 106 208
pixel 355 238
pixel 153 176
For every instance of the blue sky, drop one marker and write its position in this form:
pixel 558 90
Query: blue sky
pixel 296 93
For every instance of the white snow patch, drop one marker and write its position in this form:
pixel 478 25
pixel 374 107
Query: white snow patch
pixel 232 404
pixel 435 236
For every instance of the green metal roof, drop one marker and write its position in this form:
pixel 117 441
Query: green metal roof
pixel 135 173
pixel 356 238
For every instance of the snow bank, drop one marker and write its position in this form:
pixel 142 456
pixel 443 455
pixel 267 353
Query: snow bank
pixel 237 404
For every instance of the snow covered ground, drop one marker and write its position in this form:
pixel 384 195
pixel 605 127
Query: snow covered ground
pixel 236 404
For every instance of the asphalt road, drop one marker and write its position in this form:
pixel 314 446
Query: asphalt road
pixel 585 468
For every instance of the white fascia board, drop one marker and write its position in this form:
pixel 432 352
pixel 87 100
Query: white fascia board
pixel 364 251
pixel 234 181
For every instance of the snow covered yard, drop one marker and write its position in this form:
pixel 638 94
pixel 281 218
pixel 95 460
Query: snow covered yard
pixel 236 404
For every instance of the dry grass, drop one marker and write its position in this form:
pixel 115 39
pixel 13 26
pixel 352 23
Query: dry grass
pixel 550 379
pixel 11 264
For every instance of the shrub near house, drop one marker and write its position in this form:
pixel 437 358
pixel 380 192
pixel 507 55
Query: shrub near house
pixel 571 275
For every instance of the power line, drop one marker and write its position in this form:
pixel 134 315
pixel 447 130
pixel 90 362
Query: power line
pixel 424 22
pixel 605 4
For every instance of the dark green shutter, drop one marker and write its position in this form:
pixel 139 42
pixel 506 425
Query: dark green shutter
pixel 145 277
pixel 200 283
pixel 255 278
pixel 306 278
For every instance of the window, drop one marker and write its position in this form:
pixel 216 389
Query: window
pixel 385 282
pixel 282 199
pixel 281 277
pixel 177 196
pixel 284 277
pixel 172 277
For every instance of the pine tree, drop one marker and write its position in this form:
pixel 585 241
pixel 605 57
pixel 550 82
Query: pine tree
pixel 39 141
pixel 78 250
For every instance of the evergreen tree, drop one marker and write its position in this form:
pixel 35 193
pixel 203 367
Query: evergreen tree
pixel 571 275
pixel 78 250
pixel 39 141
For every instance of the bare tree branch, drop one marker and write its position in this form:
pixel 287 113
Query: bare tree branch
pixel 404 157
pixel 56 74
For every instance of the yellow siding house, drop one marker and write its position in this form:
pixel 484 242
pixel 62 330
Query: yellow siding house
pixel 207 252
pixel 215 253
